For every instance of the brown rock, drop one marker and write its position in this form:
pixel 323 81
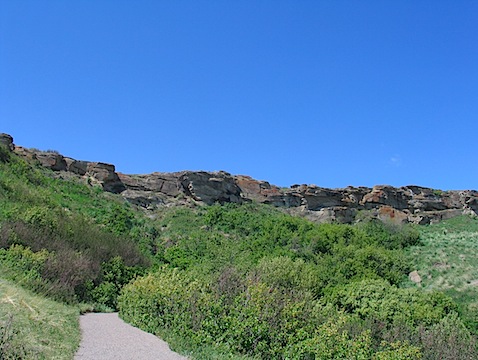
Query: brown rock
pixel 165 183
pixel 76 166
pixel 146 199
pixel 411 203
pixel 253 189
pixel 425 199
pixel 391 215
pixel 210 187
pixel 318 198
pixel 105 174
pixel 278 198
pixel 386 195
pixel 432 217
pixel 51 160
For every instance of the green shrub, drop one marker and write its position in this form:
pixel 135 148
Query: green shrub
pixel 398 351
pixel 73 268
pixel 255 318
pixel 24 266
pixel 159 301
pixel 449 339
pixel 4 154
pixel 330 341
pixel 389 235
pixel 114 275
pixel 42 217
pixel 378 300
pixel 287 273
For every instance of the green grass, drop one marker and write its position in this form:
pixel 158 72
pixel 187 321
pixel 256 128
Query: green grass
pixel 33 327
pixel 447 260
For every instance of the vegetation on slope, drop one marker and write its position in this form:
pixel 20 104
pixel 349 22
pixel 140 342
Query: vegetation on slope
pixel 32 327
pixel 63 240
pixel 447 260
pixel 254 281
pixel 230 281
pixel 76 240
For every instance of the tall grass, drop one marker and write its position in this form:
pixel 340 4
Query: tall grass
pixel 447 260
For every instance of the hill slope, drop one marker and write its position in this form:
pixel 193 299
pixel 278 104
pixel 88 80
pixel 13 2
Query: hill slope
pixel 234 278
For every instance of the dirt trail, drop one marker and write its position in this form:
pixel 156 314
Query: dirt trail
pixel 107 337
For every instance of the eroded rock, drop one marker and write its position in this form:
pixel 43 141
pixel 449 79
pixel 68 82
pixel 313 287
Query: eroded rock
pixel 106 176
pixel 411 203
pixel 209 187
pixel 7 141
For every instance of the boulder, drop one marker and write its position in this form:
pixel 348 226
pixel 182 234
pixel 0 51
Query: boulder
pixel 424 199
pixel 432 217
pixel 279 198
pixel 146 199
pixel 415 277
pixel 338 214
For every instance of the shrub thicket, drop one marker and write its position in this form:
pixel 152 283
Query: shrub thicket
pixel 73 232
pixel 271 322
pixel 261 283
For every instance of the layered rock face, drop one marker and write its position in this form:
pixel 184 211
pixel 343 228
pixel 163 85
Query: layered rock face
pixel 398 205
pixel 95 173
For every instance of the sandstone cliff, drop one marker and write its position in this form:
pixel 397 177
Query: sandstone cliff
pixel 415 204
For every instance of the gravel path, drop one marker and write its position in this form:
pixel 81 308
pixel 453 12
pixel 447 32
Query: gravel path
pixel 107 337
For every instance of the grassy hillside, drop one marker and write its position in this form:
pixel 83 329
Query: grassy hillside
pixel 32 327
pixel 447 260
pixel 232 281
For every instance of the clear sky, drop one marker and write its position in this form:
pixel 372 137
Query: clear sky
pixel 332 93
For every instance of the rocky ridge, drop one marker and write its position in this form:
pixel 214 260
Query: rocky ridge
pixel 414 204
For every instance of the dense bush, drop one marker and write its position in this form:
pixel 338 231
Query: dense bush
pixel 287 288
pixel 262 320
pixel 23 265
pixel 380 301
pixel 75 229
pixel 114 275
pixel 79 258
pixel 4 153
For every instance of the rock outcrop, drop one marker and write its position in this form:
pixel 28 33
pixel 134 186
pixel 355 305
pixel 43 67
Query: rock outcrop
pixel 95 173
pixel 7 141
pixel 200 186
pixel 412 203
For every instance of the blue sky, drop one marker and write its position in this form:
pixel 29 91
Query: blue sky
pixel 332 93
